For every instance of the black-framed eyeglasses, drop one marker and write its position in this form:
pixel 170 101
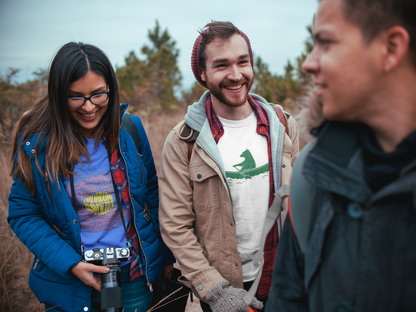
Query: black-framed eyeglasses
pixel 96 99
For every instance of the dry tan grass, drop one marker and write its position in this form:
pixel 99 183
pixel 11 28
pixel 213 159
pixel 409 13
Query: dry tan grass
pixel 157 129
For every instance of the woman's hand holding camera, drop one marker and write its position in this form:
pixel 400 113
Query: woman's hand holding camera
pixel 84 271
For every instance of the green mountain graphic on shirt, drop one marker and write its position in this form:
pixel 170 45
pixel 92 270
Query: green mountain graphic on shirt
pixel 246 169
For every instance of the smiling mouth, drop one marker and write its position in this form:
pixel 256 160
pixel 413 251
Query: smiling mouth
pixel 233 87
pixel 89 115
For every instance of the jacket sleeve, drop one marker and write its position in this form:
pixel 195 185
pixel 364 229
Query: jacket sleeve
pixel 27 221
pixel 152 195
pixel 288 291
pixel 177 217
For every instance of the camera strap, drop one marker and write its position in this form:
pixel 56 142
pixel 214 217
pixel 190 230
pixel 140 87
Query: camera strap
pixel 116 193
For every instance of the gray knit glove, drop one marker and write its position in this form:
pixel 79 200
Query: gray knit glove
pixel 222 297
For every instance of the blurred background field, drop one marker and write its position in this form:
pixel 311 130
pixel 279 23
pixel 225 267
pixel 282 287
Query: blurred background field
pixel 152 87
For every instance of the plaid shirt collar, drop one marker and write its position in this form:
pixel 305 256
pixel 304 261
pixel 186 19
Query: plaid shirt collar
pixel 217 128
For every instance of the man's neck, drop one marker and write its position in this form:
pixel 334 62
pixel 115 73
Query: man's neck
pixel 391 112
pixel 393 119
pixel 229 112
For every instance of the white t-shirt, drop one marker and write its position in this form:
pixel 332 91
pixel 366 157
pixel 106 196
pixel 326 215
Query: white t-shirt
pixel 245 157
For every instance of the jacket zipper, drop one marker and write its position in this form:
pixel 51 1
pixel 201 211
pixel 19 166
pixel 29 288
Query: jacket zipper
pixel 36 264
pixel 134 221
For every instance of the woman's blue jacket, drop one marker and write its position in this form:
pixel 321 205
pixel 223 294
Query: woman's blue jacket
pixel 49 226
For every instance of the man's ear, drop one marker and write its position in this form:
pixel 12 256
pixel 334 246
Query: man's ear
pixel 203 76
pixel 396 40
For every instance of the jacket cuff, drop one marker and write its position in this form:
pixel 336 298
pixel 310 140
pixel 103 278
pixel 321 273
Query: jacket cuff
pixel 202 281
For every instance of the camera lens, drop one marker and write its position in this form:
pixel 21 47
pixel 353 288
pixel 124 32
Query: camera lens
pixel 111 294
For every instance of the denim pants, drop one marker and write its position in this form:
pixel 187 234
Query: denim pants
pixel 136 294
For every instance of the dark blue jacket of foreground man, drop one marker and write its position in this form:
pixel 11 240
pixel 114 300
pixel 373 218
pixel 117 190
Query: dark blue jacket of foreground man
pixel 361 251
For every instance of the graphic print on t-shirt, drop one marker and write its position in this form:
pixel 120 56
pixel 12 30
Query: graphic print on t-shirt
pixel 99 203
pixel 247 169
pixel 96 203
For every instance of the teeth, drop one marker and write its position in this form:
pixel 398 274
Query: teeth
pixel 89 115
pixel 234 88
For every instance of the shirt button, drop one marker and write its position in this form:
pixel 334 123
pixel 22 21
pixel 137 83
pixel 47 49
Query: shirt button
pixel 200 287
pixel 74 222
pixel 85 308
pixel 27 143
pixel 199 176
pixel 354 210
pixel 33 151
pixel 236 264
pixel 283 165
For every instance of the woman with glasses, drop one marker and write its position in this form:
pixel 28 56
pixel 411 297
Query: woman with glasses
pixel 84 200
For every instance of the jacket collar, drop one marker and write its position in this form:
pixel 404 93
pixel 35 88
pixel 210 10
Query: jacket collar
pixel 196 118
pixel 335 162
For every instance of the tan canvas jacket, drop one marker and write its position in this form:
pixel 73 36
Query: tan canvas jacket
pixel 195 211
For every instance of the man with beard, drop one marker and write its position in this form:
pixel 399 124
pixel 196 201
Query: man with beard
pixel 219 171
pixel 360 252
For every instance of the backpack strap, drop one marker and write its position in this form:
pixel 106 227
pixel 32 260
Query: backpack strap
pixel 300 199
pixel 281 116
pixel 272 214
pixel 189 135
pixel 130 127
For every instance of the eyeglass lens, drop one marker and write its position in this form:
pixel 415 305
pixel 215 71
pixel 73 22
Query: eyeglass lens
pixel 95 99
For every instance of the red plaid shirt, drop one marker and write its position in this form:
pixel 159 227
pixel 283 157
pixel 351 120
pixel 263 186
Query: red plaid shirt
pixel 119 173
pixel 272 240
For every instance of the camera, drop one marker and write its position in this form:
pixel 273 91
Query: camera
pixel 111 294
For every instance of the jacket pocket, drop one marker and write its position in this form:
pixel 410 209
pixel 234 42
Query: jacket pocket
pixel 206 184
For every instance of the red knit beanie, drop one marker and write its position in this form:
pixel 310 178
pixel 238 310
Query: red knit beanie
pixel 197 70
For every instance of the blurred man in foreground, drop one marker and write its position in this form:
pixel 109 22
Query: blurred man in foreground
pixel 361 248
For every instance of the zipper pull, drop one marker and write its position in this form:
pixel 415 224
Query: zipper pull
pixel 36 264
pixel 146 216
pixel 150 287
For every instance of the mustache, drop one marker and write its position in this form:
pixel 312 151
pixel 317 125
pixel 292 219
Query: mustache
pixel 228 83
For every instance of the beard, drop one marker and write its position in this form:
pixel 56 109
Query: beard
pixel 216 91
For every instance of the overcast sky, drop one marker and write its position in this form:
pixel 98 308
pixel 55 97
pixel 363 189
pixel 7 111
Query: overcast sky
pixel 31 31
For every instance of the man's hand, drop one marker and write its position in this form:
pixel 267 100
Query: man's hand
pixel 222 297
pixel 84 271
pixel 167 271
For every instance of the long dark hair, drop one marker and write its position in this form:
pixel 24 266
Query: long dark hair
pixel 49 117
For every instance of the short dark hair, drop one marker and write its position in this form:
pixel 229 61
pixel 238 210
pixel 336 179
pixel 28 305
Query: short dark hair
pixel 217 30
pixel 375 16
pixel 212 31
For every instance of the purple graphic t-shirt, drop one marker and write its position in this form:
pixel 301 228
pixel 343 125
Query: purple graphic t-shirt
pixel 101 225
